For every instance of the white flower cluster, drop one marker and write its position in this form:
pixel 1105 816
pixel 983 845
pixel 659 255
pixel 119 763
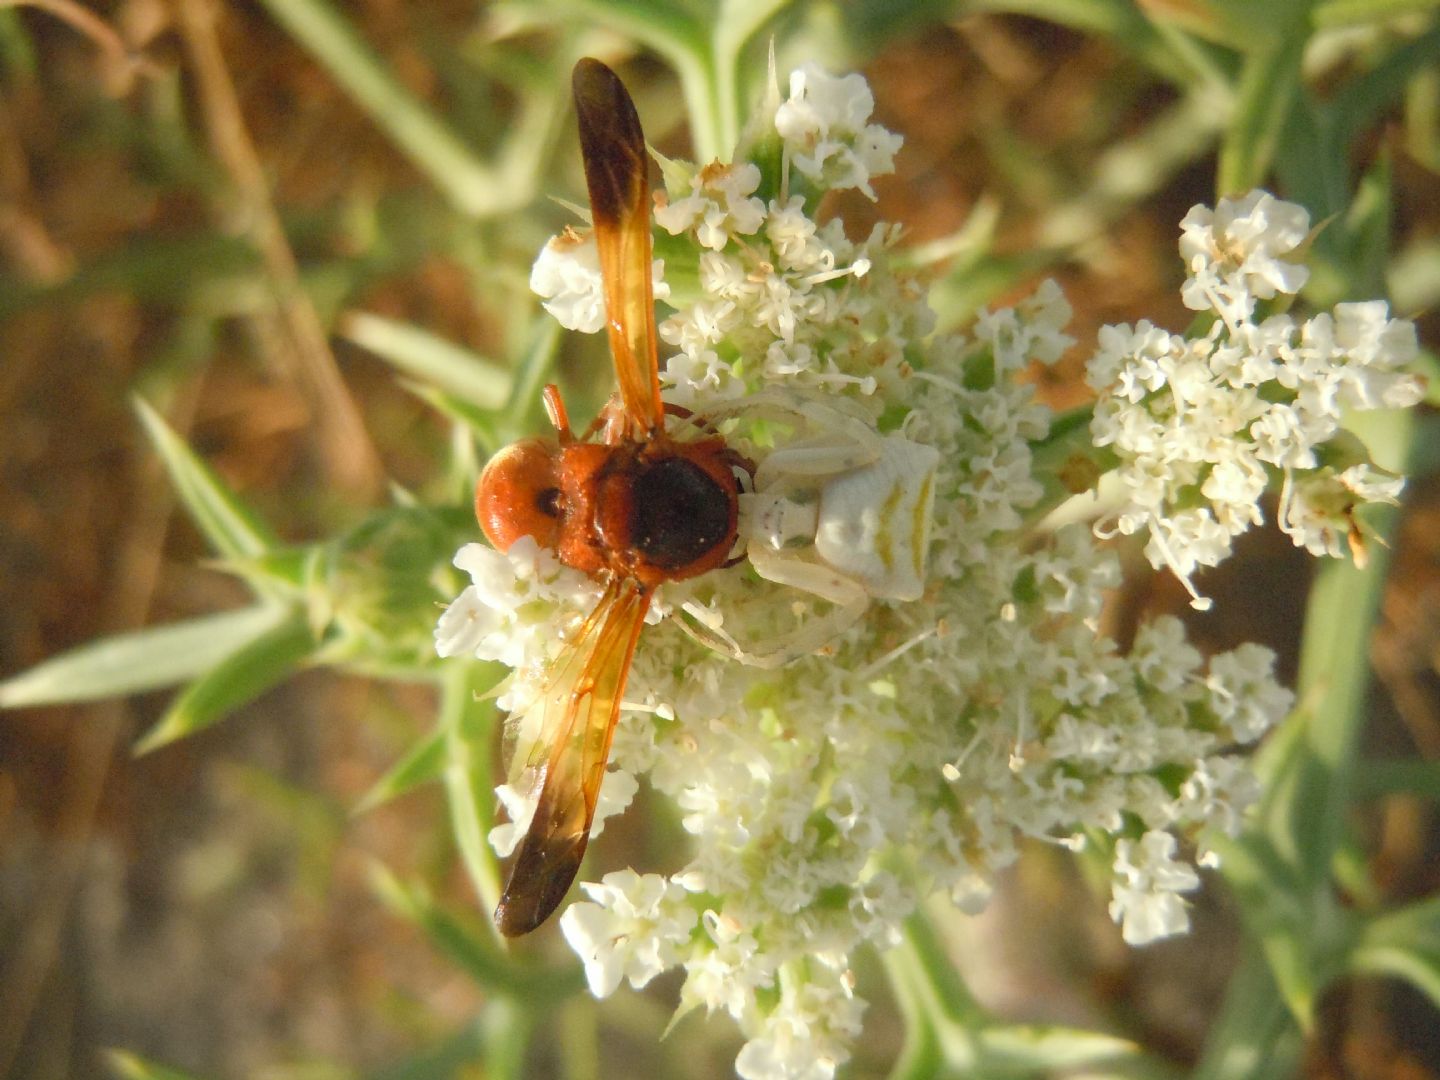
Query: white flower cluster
pixel 827 797
pixel 567 277
pixel 508 612
pixel 778 289
pixel 1203 424
pixel 828 137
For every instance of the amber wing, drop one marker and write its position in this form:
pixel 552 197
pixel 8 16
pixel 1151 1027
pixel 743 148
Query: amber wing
pixel 580 704
pixel 616 166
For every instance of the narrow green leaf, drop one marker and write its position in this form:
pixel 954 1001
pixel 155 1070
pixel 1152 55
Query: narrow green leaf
pixel 682 38
pixel 462 467
pixel 1309 168
pixel 947 1032
pixel 430 358
pixel 1254 1035
pixel 920 1055
pixel 469 949
pixel 1122 20
pixel 1269 88
pixel 128 1066
pixel 967 246
pixel 1404 944
pixel 1335 13
pixel 509 1027
pixel 167 271
pixel 424 763
pixel 468 182
pixel 1307 766
pixel 666 27
pixel 535 366
pixel 480 422
pixel 281 570
pixel 1334 662
pixel 1281 868
pixel 1242 23
pixel 446 1058
pixel 735 25
pixel 1031 1048
pixel 1368 228
pixel 1421 119
pixel 1403 777
pixel 1160 38
pixel 239 678
pixel 141 660
pixel 17 49
pixel 232 529
pixel 926 965
pixel 1357 105
pixel 468 723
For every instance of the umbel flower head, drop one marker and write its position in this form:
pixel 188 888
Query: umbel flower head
pixel 1203 425
pixel 915 752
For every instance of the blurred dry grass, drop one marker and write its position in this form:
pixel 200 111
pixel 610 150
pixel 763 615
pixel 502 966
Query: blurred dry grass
pixel 208 905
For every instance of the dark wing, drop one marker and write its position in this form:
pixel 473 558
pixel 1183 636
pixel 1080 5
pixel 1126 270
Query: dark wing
pixel 580 704
pixel 616 166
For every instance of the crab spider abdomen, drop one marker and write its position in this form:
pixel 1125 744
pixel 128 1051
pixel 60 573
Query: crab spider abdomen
pixel 874 521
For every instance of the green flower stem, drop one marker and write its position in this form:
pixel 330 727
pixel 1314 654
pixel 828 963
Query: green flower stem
pixel 508 1025
pixel 1335 655
pixel 932 998
pixel 948 1034
pixel 501 973
pixel 1281 868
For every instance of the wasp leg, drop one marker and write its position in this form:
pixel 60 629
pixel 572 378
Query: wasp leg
pixel 555 410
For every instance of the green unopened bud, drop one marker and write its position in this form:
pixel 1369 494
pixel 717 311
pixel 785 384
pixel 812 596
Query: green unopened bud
pixel 379 585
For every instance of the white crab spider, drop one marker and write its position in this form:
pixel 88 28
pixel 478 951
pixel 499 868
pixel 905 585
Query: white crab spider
pixel 841 512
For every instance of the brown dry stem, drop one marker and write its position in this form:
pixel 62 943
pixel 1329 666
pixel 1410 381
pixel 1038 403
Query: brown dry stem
pixel 294 326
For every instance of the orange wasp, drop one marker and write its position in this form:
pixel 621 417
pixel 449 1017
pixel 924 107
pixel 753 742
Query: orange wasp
pixel 633 510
